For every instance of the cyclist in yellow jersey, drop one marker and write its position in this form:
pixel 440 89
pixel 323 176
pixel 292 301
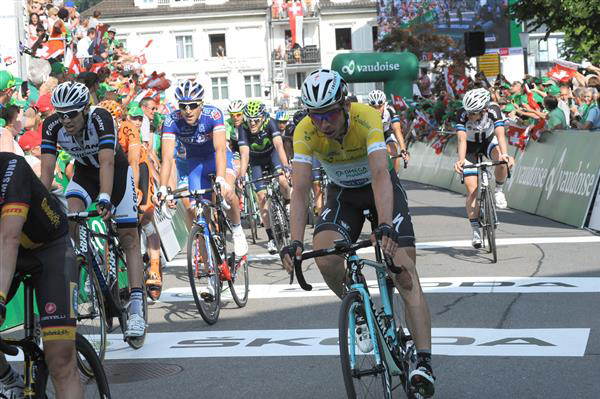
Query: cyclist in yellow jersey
pixel 348 140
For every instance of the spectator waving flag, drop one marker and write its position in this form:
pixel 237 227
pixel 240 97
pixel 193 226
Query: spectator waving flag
pixel 563 71
pixel 296 15
pixel 518 135
pixel 399 103
pixel 141 59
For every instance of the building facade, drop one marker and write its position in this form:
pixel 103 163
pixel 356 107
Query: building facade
pixel 241 48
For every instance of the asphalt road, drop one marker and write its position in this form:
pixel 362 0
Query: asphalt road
pixel 526 327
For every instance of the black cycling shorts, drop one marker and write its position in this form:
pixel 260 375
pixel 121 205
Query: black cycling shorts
pixel 86 186
pixel 343 212
pixel 271 164
pixel 54 273
pixel 474 149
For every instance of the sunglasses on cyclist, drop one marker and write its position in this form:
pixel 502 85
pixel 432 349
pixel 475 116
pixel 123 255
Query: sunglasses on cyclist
pixel 68 114
pixel 374 103
pixel 254 121
pixel 236 114
pixel 328 116
pixel 189 106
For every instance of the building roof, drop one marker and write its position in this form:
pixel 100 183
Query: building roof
pixel 126 8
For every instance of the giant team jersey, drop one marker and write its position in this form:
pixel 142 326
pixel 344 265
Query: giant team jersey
pixel 197 139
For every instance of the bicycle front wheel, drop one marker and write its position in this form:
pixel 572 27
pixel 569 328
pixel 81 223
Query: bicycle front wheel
pixel 363 377
pixel 95 386
pixel 91 315
pixel 203 276
pixel 490 226
pixel 239 282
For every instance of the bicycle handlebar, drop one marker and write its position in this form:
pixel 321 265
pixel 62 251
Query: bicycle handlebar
pixel 8 349
pixel 340 248
pixel 485 164
pixel 400 156
pixel 269 177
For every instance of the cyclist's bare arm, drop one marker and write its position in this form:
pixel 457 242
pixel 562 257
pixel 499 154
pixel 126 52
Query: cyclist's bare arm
pixel 220 144
pixel 382 186
pixel 133 156
pixel 244 159
pixel 397 128
pixel 10 235
pixel 302 182
pixel 48 164
pixel 278 143
pixel 462 150
pixel 107 169
pixel 168 148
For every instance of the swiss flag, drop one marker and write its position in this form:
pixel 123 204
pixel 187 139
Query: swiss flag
pixel 296 14
pixel 537 129
pixel 517 135
pixel 75 67
pixel 562 73
pixel 399 103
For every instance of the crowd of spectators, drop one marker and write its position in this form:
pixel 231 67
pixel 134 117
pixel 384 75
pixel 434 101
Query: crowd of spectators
pixel 551 104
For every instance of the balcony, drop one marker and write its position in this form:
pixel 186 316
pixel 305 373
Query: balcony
pixel 281 13
pixel 308 55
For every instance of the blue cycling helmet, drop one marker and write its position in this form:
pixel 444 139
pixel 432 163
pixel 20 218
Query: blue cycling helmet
pixel 188 91
pixel 282 116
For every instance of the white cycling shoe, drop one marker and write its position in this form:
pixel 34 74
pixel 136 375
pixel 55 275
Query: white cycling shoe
pixel 500 200
pixel 136 326
pixel 363 337
pixel 476 239
pixel 271 247
pixel 240 245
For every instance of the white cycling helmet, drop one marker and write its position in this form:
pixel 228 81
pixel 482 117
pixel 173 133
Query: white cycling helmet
pixel 70 96
pixel 476 100
pixel 323 88
pixel 236 106
pixel 376 97
pixel 188 91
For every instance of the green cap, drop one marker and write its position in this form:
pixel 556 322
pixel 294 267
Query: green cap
pixel 2 122
pixel 553 90
pixel 57 68
pixel 7 80
pixel 135 111
pixel 133 104
pixel 506 85
pixel 508 108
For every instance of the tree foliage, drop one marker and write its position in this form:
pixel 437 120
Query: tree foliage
pixel 578 19
pixel 83 5
pixel 421 39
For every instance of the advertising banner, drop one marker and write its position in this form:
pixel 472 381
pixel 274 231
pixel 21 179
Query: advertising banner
pixel 595 218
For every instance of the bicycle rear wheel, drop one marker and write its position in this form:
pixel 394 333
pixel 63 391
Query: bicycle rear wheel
pixel 279 224
pixel 91 315
pixel 251 212
pixel 203 276
pixel 490 226
pixel 94 386
pixel 363 377
pixel 239 282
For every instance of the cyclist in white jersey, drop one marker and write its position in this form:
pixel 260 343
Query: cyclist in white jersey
pixel 392 128
pixel 480 130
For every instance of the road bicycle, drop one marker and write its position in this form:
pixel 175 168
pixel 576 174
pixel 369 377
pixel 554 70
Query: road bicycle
pixel 384 369
pixel 250 211
pixel 278 215
pixel 103 286
pixel 488 218
pixel 209 263
pixel 36 374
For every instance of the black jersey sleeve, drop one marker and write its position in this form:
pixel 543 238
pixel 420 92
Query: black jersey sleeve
pixel 273 128
pixel 461 120
pixel 15 185
pixel 242 136
pixel 495 113
pixel 50 129
pixel 105 127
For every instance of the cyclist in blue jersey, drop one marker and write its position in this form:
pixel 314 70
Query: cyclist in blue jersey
pixel 201 130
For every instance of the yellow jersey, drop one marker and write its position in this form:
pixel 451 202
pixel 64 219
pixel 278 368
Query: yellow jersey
pixel 345 163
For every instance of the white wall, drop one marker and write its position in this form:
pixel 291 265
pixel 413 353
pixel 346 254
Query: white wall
pixel 246 49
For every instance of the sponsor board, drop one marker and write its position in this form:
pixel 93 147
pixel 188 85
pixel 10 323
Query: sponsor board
pixel 438 285
pixel 595 217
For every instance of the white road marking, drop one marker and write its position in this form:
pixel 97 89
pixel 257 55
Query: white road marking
pixel 323 342
pixel 182 262
pixel 440 285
